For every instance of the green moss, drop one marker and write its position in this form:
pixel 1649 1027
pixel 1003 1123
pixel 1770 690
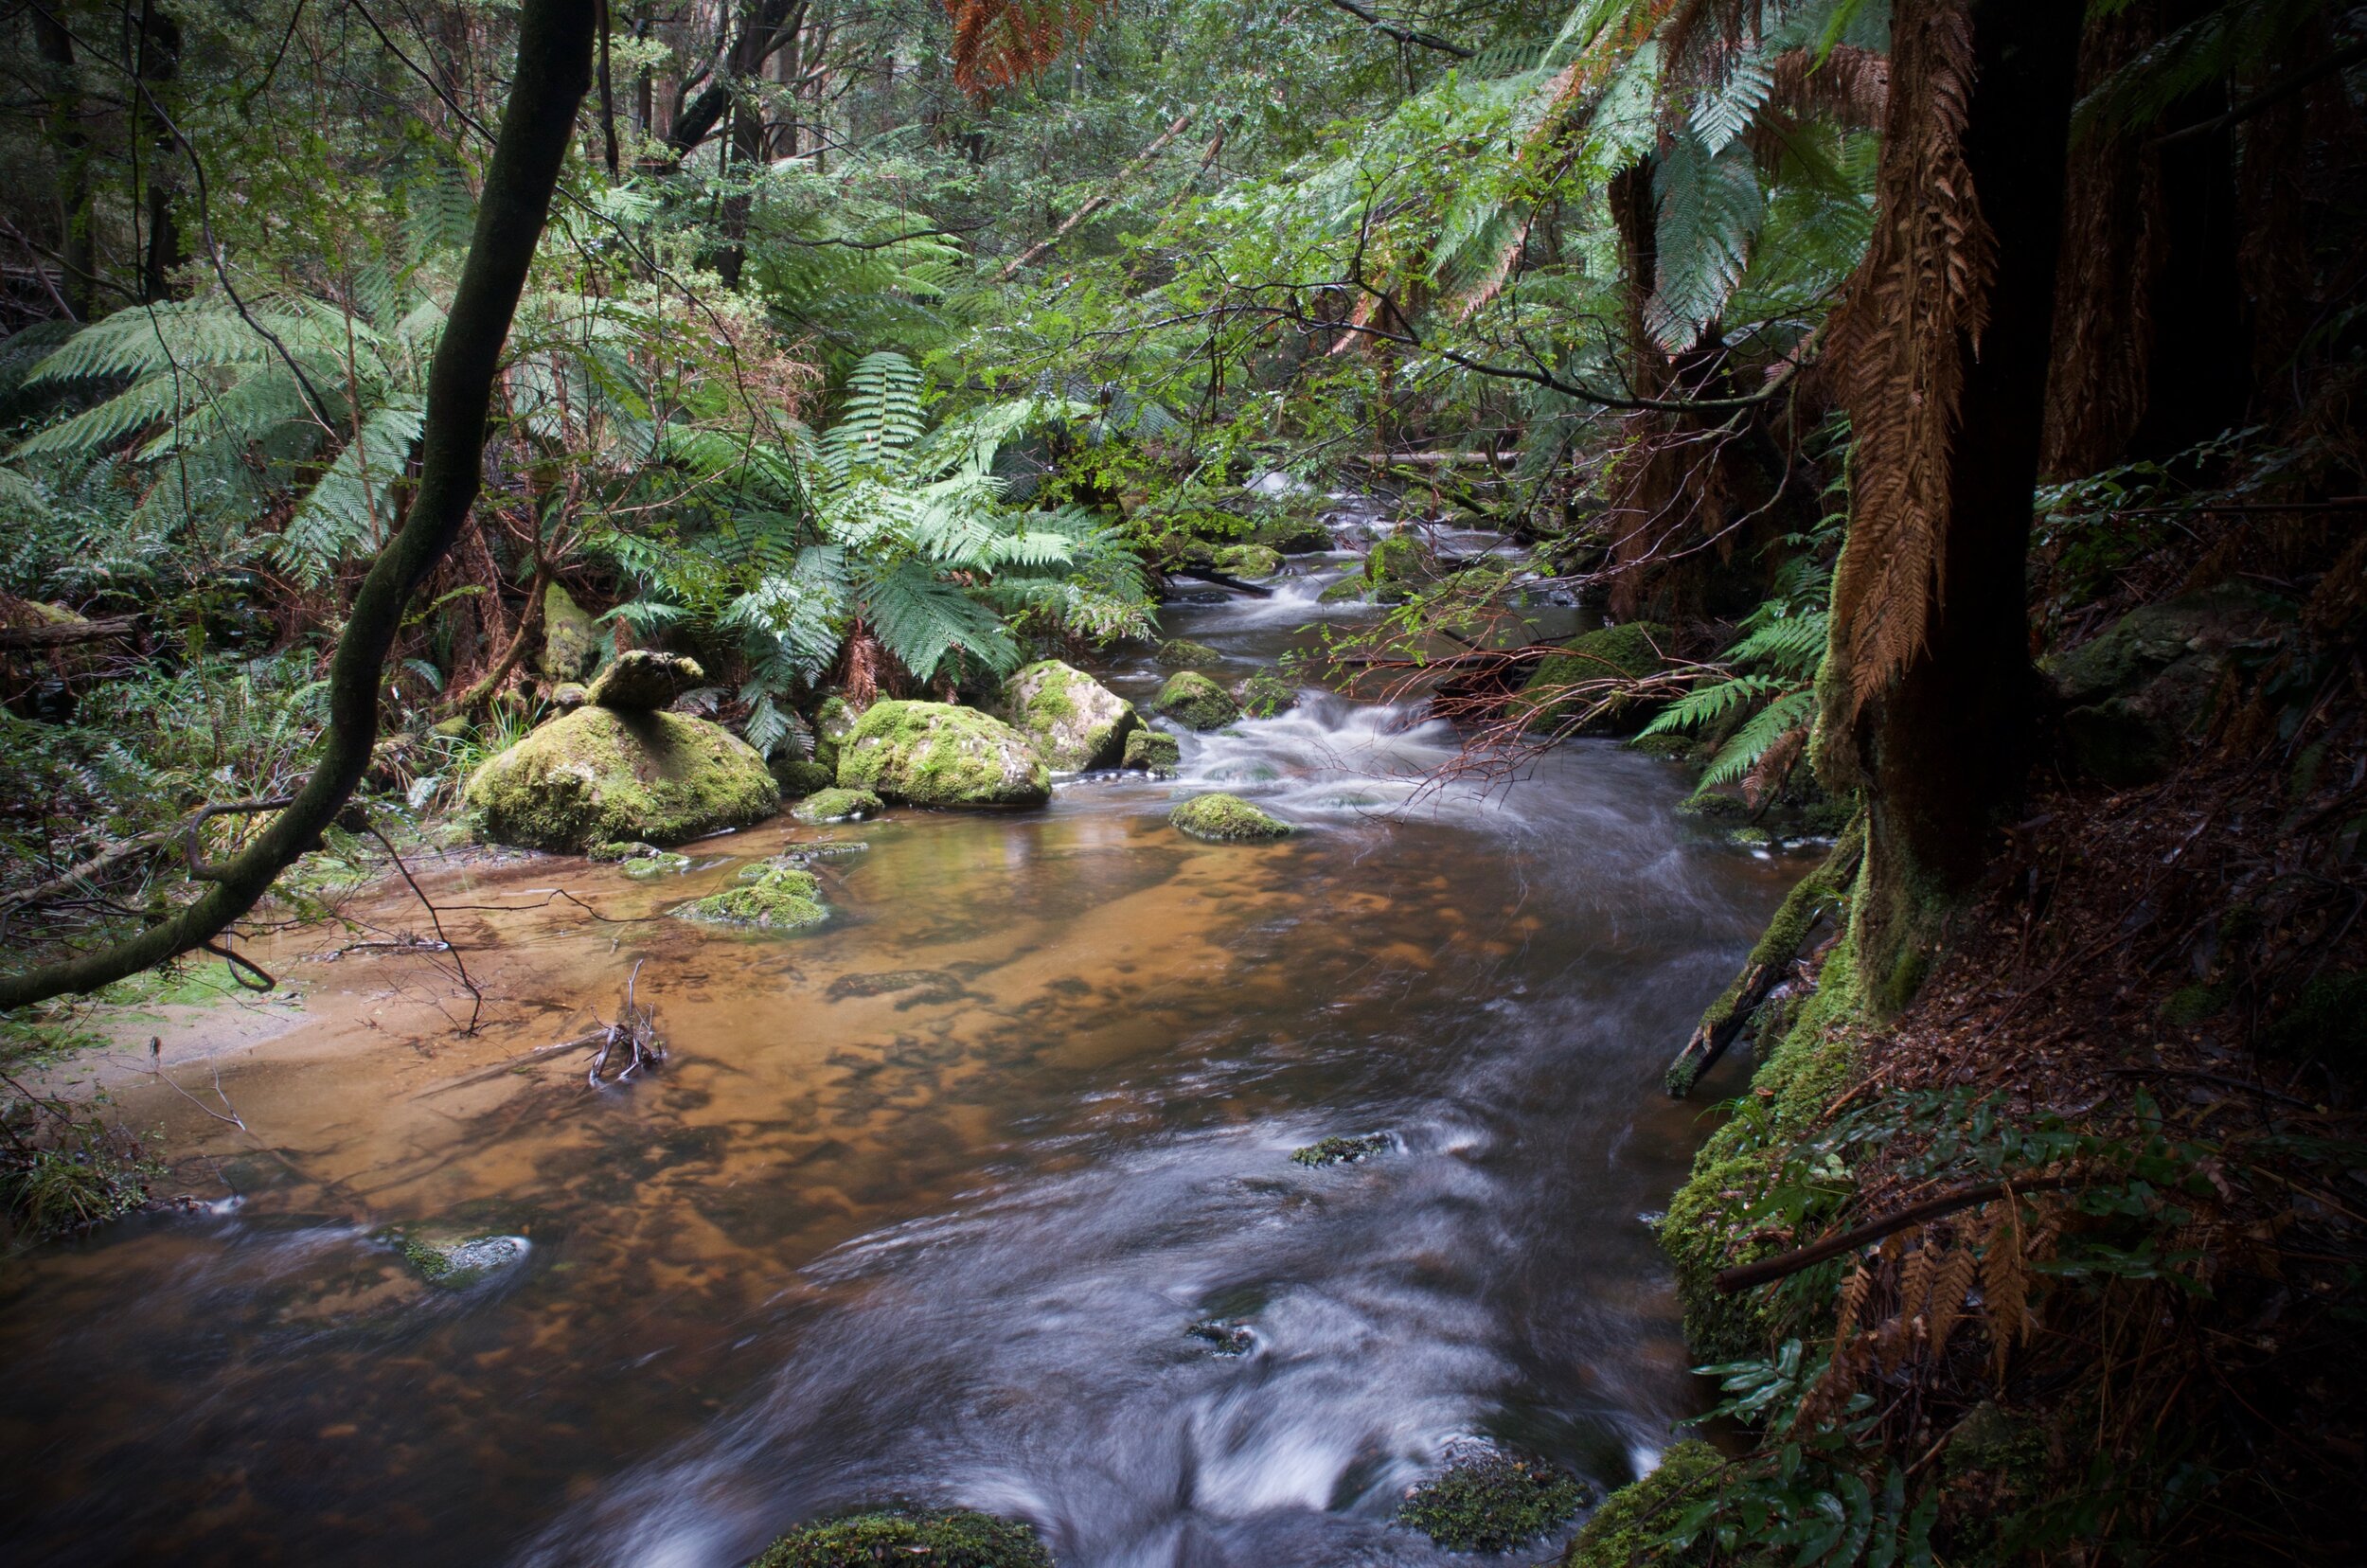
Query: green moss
pixel 935 754
pixel 1073 722
pixel 1345 590
pixel 1492 1502
pixel 597 774
pixel 784 899
pixel 832 721
pixel 457 1262
pixel 1249 560
pixel 664 863
pixel 1177 654
pixel 1395 559
pixel 1808 1066
pixel 1152 751
pixel 571 643
pixel 1193 699
pixel 837 806
pixel 1628 651
pixel 952 1538
pixel 1665 744
pixel 1226 817
pixel 1632 1522
pixel 622 849
pixel 798 778
pixel 644 679
pixel 1265 694
pixel 1340 1149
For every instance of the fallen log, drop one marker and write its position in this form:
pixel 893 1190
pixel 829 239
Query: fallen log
pixel 1222 580
pixel 66 633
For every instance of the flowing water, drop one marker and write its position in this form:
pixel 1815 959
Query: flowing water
pixel 926 1202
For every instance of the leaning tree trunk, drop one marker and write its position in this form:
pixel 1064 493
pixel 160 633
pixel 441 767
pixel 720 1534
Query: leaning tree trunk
pixel 554 71
pixel 1930 699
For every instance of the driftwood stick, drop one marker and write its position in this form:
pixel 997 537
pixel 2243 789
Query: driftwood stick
pixel 1768 1270
pixel 1222 580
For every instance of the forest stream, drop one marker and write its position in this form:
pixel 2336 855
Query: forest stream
pixel 927 1203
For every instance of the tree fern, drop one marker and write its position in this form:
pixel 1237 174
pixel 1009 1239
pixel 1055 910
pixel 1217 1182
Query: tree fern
pixel 1711 207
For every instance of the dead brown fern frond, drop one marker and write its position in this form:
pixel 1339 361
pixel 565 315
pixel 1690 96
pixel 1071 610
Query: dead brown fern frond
pixel 997 43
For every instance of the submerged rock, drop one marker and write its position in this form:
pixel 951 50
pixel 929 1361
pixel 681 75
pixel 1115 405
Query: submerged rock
pixel 935 754
pixel 1182 653
pixel 954 1538
pixel 644 681
pixel 1223 818
pixel 457 1262
pixel 1265 694
pixel 1075 722
pixel 597 776
pixel 1490 1500
pixel 1338 1150
pixel 1152 751
pixel 1627 651
pixel 837 806
pixel 1193 699
pixel 662 862
pixel 571 642
pixel 782 898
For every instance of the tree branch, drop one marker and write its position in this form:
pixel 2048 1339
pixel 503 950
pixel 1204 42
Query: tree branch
pixel 1403 35
pixel 1768 1270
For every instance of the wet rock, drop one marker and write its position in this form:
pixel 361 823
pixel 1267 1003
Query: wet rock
pixel 836 804
pixel 1248 560
pixel 796 776
pixel 622 849
pixel 1075 722
pixel 935 754
pixel 569 695
pixel 1228 1338
pixel 1301 533
pixel 1632 1523
pixel 597 776
pixel 916 985
pixel 2134 696
pixel 1182 653
pixel 1488 1500
pixel 951 1539
pixel 1193 700
pixel 784 898
pixel 571 641
pixel 1152 751
pixel 1627 651
pixel 664 863
pixel 1338 1150
pixel 644 680
pixel 1225 818
pixel 1265 694
pixel 456 1263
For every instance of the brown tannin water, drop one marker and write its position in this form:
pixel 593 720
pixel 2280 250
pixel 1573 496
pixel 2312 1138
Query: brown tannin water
pixel 927 1201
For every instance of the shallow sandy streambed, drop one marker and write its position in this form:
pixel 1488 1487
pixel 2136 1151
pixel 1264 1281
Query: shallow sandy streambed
pixel 925 1200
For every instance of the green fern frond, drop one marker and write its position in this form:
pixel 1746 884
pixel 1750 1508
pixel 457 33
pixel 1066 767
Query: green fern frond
pixel 1711 207
pixel 1741 753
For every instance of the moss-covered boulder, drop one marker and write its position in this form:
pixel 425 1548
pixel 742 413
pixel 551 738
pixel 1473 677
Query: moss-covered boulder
pixel 1192 699
pixel 1248 560
pixel 1182 653
pixel 571 643
pixel 2135 695
pixel 644 681
pixel 1635 1523
pixel 1294 533
pixel 598 775
pixel 1152 751
pixel 951 1539
pixel 1490 1500
pixel 780 897
pixel 832 721
pixel 1265 694
pixel 1340 1148
pixel 456 1262
pixel 935 754
pixel 798 777
pixel 1225 818
pixel 1075 722
pixel 836 804
pixel 1561 686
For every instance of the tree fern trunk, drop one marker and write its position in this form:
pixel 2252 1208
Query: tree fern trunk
pixel 1943 746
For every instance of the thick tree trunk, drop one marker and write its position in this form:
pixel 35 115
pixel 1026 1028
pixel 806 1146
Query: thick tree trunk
pixel 78 245
pixel 1945 745
pixel 554 71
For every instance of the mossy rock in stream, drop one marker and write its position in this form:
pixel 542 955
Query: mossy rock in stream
pixel 1227 818
pixel 799 777
pixel 1633 1523
pixel 1183 653
pixel 1488 1500
pixel 456 1262
pixel 1190 698
pixel 833 720
pixel 644 679
pixel 1153 751
pixel 1265 694
pixel 1340 1149
pixel 597 776
pixel 1075 722
pixel 935 754
pixel 1560 689
pixel 785 897
pixel 954 1538
pixel 1249 560
pixel 838 806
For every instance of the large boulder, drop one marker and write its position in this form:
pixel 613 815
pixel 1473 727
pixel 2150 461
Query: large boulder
pixel 2132 696
pixel 599 775
pixel 1192 699
pixel 935 754
pixel 571 643
pixel 644 681
pixel 1074 720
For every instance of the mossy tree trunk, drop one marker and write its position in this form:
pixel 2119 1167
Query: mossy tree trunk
pixel 1944 746
pixel 554 70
